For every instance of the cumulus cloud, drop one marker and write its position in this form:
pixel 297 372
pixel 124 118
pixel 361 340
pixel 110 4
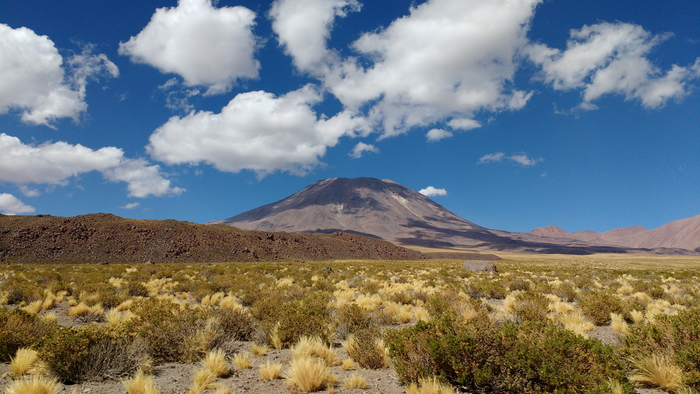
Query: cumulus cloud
pixel 435 135
pixel 464 124
pixel 431 191
pixel 29 192
pixel 361 148
pixel 11 205
pixel 303 27
pixel 34 78
pixel 448 58
pixel 131 205
pixel 611 58
pixel 55 163
pixel 256 131
pixel 206 46
pixel 519 158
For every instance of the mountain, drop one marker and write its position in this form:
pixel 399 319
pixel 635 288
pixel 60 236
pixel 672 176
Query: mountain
pixel 390 211
pixel 105 238
pixel 679 234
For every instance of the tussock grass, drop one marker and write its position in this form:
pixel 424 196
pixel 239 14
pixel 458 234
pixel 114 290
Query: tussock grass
pixel 259 350
pixel 355 381
pixel 430 386
pixel 348 365
pixel 242 360
pixel 657 370
pixel 308 374
pixel 215 361
pixel 619 324
pixel 578 323
pixel 34 307
pixel 141 384
pixel 34 385
pixel 270 371
pixel 314 347
pixel 23 360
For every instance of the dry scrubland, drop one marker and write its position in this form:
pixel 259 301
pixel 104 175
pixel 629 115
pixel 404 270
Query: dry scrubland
pixel 593 324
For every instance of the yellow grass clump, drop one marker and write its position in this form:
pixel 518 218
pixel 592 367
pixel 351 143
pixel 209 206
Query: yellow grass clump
pixel 275 338
pixel 348 365
pixel 113 317
pixel 657 371
pixel 83 310
pixel 33 385
pixel 619 324
pixel 242 360
pixel 49 301
pixel 422 314
pixel 308 374
pixel 314 347
pixel 637 316
pixel 369 302
pixel 355 381
pixel 270 371
pixel 125 306
pixel 141 384
pixel 430 386
pixel 34 307
pixel 23 360
pixel 259 350
pixel 578 323
pixel 215 361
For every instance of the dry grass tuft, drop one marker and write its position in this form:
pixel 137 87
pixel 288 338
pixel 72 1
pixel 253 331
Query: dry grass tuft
pixel 308 374
pixel 242 360
pixel 275 338
pixel 658 371
pixel 270 371
pixel 615 387
pixel 215 361
pixel 578 323
pixel 23 360
pixel 355 381
pixel 34 307
pixel 259 350
pixel 422 314
pixel 348 365
pixel 637 316
pixel 33 385
pixel 619 324
pixel 140 384
pixel 430 386
pixel 113 317
pixel 314 347
pixel 125 306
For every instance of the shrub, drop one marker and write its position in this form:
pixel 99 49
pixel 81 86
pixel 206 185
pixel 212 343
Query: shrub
pixel 351 318
pixel 368 349
pixel 236 324
pixel 528 357
pixel 308 317
pixel 19 329
pixel 531 306
pixel 598 305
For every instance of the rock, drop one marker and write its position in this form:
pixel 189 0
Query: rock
pixel 149 262
pixel 479 266
pixel 328 270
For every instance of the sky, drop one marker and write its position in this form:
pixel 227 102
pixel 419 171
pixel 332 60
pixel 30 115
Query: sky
pixel 513 114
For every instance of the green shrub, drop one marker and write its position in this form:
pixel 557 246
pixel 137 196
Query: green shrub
pixel 566 292
pixel 365 351
pixel 530 357
pixel 66 351
pixel 20 289
pixel 531 306
pixel 351 318
pixel 308 317
pixel 236 324
pixel 678 335
pixel 19 329
pixel 598 305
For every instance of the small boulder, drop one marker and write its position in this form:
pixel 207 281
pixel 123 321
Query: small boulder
pixel 479 266
pixel 328 270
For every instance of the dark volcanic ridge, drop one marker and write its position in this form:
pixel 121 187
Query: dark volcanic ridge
pixel 105 238
pixel 390 211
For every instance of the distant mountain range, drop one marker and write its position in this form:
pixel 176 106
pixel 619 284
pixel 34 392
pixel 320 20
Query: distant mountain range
pixel 683 234
pixel 387 210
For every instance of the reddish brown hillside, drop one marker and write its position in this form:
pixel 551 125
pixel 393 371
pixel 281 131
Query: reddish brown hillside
pixel 104 238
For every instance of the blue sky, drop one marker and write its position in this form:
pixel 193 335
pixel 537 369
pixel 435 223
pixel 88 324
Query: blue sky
pixel 518 113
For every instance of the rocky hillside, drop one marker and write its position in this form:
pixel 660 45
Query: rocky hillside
pixel 105 238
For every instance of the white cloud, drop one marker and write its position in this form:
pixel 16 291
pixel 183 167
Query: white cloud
pixel 206 46
pixel 34 80
pixel 611 58
pixel 29 192
pixel 448 58
pixel 491 157
pixel 11 205
pixel 303 27
pixel 524 160
pixel 464 124
pixel 255 131
pixel 131 205
pixel 431 191
pixel 360 148
pixel 435 135
pixel 55 163
pixel 519 158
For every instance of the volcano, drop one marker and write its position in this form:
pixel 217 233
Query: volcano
pixel 387 210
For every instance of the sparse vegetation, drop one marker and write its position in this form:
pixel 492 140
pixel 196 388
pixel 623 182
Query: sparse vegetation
pixel 433 323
